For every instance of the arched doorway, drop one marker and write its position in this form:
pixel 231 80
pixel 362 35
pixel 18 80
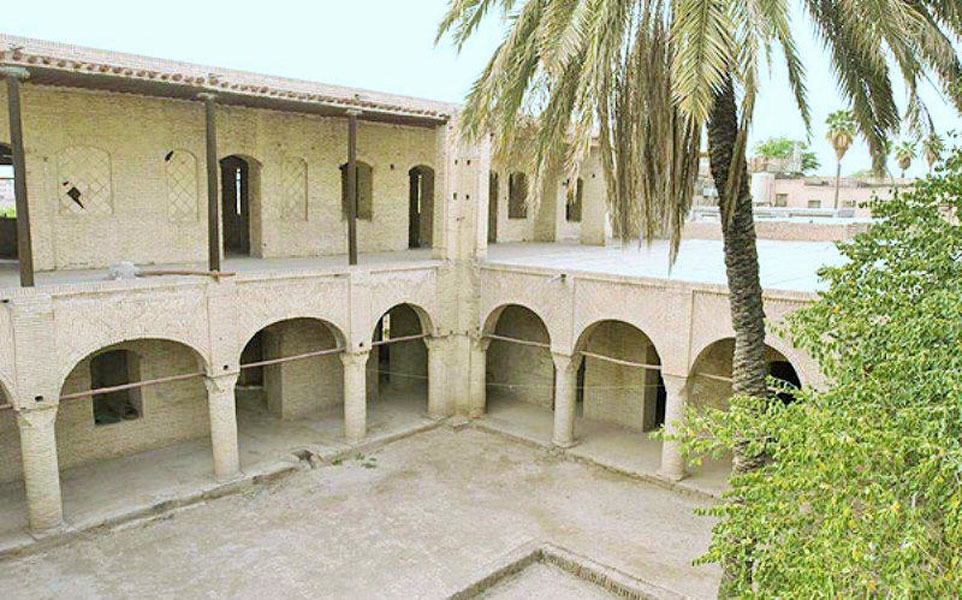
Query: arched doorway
pixel 710 385
pixel 239 178
pixel 420 207
pixel 290 389
pixel 124 444
pixel 519 369
pixel 398 364
pixel 619 381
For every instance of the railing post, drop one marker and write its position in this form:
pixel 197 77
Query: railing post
pixel 352 116
pixel 213 201
pixel 24 243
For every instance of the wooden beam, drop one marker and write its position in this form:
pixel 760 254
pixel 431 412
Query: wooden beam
pixel 213 200
pixel 352 116
pixel 24 243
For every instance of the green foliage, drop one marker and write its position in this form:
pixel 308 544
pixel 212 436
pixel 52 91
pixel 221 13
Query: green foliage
pixel 8 212
pixel 783 148
pixel 862 496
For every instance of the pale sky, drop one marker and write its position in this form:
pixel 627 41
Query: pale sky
pixel 384 45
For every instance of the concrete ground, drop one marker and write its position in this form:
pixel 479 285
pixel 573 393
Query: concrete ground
pixel 611 446
pixel 414 519
pixel 110 489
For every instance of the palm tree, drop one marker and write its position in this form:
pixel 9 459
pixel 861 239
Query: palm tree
pixel 932 147
pixel 904 155
pixel 648 75
pixel 841 134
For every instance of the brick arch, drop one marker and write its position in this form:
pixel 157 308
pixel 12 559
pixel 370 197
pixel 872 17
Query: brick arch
pixel 581 340
pixel 248 334
pixel 7 390
pixel 491 321
pixel 790 354
pixel 427 323
pixel 203 364
pixel 79 354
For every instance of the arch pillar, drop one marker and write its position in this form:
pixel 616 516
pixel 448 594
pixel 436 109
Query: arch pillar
pixel 477 397
pixel 223 425
pixel 355 395
pixel 565 399
pixel 41 469
pixel 438 404
pixel 672 462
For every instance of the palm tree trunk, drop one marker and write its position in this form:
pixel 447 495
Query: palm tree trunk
pixel 838 181
pixel 749 368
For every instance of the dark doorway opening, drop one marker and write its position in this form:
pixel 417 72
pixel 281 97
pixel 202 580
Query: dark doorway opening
pixel 235 205
pixel 420 207
pixel 8 209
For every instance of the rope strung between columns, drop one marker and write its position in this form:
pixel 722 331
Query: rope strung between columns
pixel 406 338
pixel 619 361
pixel 173 378
pixel 276 361
pixel 131 386
pixel 504 338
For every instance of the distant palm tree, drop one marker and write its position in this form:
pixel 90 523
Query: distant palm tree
pixel 932 147
pixel 904 155
pixel 841 133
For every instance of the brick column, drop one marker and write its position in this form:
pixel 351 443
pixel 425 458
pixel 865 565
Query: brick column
pixel 478 384
pixel 565 398
pixel 223 425
pixel 41 471
pixel 437 391
pixel 672 462
pixel 355 395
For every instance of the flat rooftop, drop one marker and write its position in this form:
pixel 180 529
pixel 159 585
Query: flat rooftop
pixel 784 265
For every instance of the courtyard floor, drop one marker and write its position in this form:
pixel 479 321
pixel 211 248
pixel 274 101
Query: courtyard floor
pixel 611 446
pixel 113 489
pixel 418 518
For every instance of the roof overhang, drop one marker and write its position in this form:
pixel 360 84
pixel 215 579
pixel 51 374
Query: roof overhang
pixel 165 85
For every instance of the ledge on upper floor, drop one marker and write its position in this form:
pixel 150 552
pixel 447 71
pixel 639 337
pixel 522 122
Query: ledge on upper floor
pixel 243 267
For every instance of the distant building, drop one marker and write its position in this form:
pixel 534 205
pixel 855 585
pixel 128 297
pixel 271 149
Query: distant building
pixel 773 187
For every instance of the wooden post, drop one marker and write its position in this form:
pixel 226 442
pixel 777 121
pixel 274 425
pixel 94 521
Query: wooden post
pixel 213 201
pixel 24 244
pixel 352 116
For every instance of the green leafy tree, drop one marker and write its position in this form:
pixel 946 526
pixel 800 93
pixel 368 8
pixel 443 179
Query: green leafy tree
pixel 862 495
pixel 783 148
pixel 649 76
pixel 841 133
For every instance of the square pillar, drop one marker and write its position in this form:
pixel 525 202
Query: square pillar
pixel 477 398
pixel 438 406
pixel 223 425
pixel 565 399
pixel 41 470
pixel 355 395
pixel 672 462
